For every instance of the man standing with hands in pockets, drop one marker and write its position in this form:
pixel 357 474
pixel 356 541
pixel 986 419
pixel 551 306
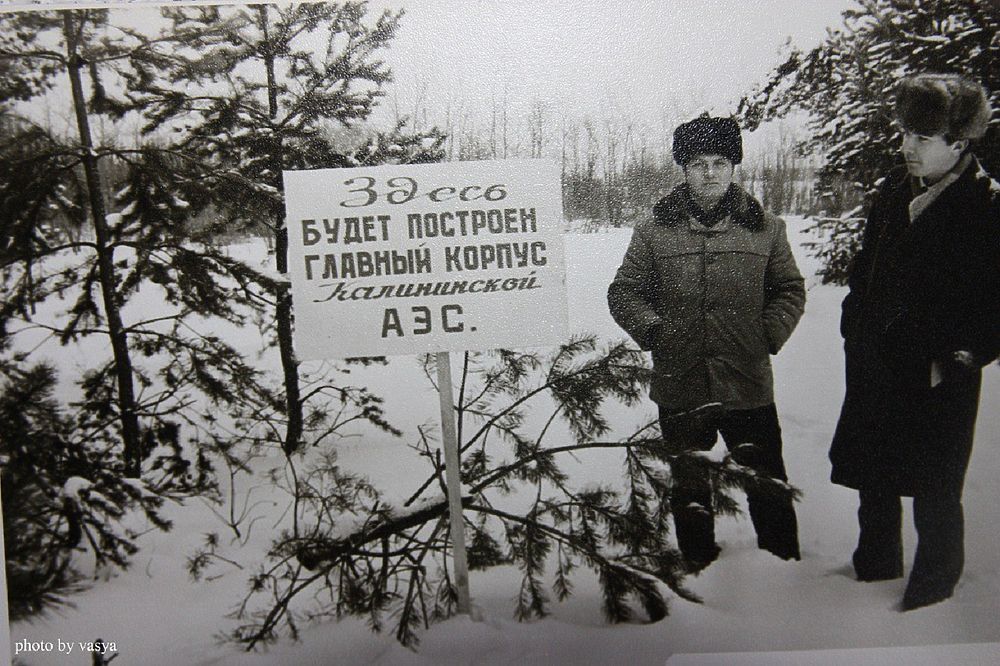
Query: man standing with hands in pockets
pixel 710 287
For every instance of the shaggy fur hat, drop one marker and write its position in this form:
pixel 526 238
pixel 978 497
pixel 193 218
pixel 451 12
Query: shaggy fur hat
pixel 947 104
pixel 707 135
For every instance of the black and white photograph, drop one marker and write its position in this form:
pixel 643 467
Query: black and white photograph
pixel 489 332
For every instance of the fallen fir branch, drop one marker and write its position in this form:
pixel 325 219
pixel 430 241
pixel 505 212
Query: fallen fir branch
pixel 314 554
pixel 353 553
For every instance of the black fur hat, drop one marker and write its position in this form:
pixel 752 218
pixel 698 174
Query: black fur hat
pixel 708 135
pixel 947 104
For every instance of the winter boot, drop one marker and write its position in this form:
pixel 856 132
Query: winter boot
pixel 879 555
pixel 925 591
pixel 695 528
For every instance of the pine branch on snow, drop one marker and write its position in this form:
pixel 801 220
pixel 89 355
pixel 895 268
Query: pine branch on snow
pixel 365 557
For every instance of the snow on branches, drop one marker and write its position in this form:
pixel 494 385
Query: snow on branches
pixel 845 87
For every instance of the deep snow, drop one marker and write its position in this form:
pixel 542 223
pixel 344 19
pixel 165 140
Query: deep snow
pixel 753 601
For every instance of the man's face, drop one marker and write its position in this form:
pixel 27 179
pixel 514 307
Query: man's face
pixel 709 177
pixel 930 157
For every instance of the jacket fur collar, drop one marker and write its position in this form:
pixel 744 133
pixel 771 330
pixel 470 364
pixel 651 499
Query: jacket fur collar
pixel 673 208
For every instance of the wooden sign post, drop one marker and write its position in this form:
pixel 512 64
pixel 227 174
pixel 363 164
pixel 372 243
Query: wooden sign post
pixel 427 258
pixel 453 479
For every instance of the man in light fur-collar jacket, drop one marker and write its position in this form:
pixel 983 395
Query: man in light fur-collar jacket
pixel 710 287
pixel 921 320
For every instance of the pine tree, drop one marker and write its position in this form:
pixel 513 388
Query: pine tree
pixel 46 176
pixel 167 385
pixel 256 98
pixel 78 35
pixel 845 86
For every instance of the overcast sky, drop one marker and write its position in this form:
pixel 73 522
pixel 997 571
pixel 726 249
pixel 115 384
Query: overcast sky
pixel 588 57
pixel 652 62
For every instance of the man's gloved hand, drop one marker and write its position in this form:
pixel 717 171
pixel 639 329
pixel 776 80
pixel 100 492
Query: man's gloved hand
pixel 965 359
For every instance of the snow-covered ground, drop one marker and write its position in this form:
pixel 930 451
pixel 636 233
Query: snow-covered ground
pixel 752 601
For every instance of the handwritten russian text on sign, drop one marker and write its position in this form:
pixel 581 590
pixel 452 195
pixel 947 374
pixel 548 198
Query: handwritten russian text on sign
pixel 417 258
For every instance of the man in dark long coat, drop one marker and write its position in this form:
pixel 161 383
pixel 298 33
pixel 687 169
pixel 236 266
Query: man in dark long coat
pixel 921 320
pixel 709 285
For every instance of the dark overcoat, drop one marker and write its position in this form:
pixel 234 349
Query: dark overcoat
pixel 711 303
pixel 919 291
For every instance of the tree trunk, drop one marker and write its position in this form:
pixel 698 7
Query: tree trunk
pixel 283 312
pixel 105 258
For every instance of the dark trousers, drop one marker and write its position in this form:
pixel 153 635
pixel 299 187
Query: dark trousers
pixel 691 493
pixel 940 555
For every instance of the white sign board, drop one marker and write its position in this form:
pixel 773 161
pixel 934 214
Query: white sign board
pixel 405 259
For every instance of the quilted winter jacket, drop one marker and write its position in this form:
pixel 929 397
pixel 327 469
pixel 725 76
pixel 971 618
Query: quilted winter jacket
pixel 711 303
